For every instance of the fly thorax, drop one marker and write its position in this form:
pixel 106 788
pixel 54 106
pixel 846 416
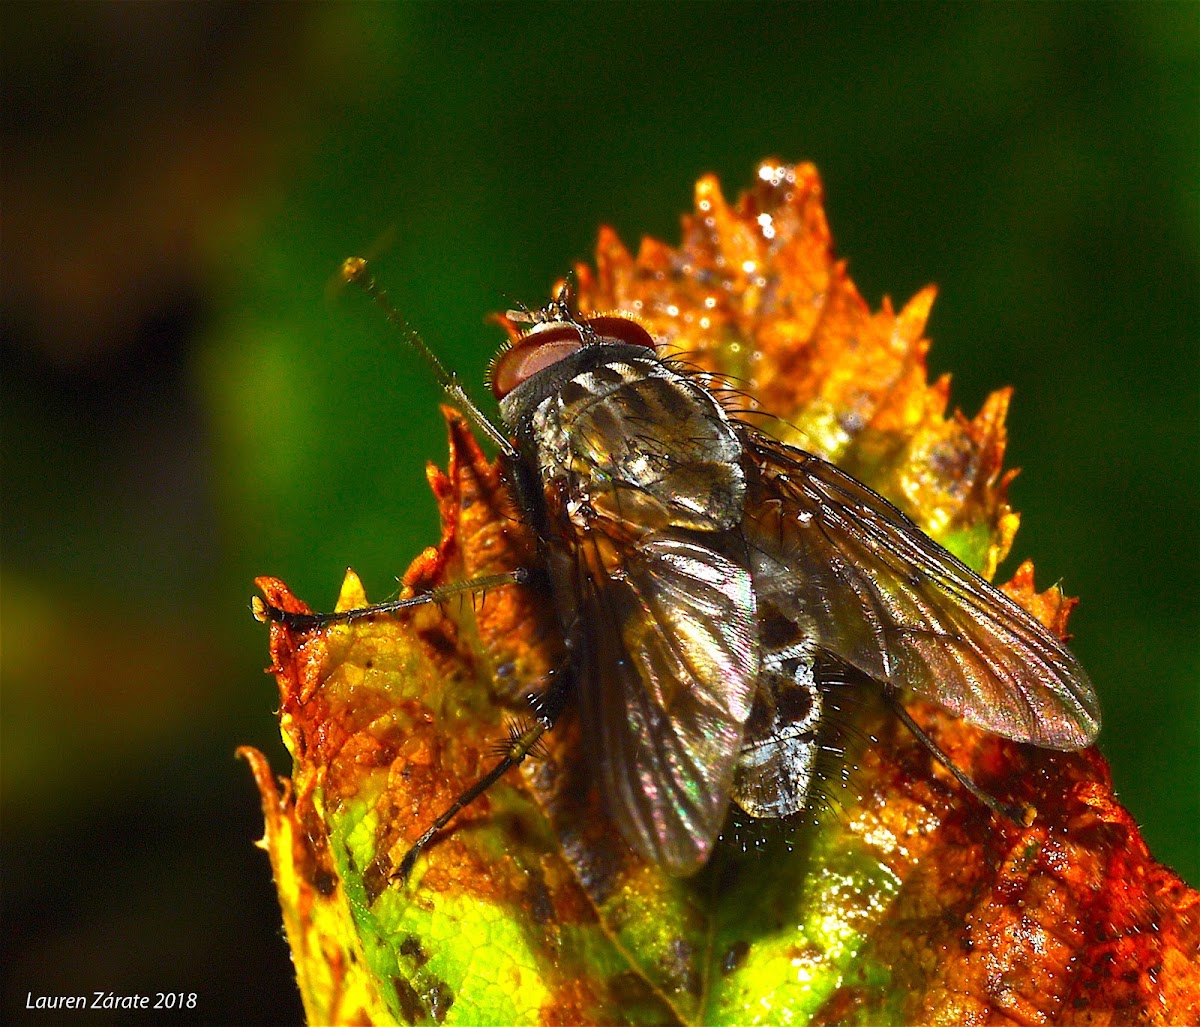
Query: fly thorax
pixel 629 438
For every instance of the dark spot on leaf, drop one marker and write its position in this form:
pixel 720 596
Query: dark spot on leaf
pixel 313 860
pixel 541 906
pixel 411 947
pixel 734 956
pixel 844 1006
pixel 377 877
pixel 369 664
pixel 517 830
pixel 628 989
pixel 324 882
pixel 410 1002
pixel 806 953
pixel 439 640
pixel 440 997
pixel 597 864
pixel 388 740
pixel 1102 837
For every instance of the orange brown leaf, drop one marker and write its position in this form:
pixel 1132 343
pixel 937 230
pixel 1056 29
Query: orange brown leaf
pixel 911 904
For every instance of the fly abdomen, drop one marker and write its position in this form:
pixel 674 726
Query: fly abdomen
pixel 778 757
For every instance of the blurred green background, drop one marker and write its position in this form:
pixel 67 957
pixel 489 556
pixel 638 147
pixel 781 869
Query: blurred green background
pixel 184 407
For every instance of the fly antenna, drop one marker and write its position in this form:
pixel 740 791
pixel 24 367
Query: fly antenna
pixel 516 310
pixel 560 309
pixel 354 272
pixel 563 303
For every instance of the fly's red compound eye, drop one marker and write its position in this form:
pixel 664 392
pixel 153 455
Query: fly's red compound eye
pixel 549 343
pixel 620 329
pixel 532 353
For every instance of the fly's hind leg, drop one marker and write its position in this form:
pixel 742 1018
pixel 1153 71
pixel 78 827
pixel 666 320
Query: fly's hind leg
pixel 266 613
pixel 521 743
pixel 1022 816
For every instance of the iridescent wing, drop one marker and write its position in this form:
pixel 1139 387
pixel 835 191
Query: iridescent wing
pixel 860 579
pixel 668 666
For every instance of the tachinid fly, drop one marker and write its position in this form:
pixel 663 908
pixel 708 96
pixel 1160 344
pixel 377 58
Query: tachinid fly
pixel 706 577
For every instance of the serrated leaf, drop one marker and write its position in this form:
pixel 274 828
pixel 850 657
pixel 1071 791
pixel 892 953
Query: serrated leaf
pixel 909 903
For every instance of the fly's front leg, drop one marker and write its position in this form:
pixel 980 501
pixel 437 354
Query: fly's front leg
pixel 266 613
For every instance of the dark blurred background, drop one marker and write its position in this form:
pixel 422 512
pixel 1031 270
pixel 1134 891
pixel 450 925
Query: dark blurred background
pixel 184 407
